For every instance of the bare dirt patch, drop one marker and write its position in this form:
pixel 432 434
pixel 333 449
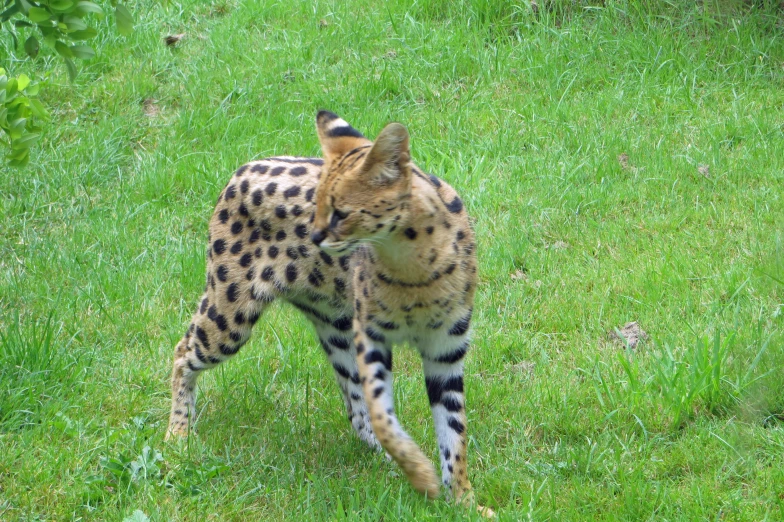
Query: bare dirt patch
pixel 630 335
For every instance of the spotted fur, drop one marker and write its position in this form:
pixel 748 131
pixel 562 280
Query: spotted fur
pixel 375 253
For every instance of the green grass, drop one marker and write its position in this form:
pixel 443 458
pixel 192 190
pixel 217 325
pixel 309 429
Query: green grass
pixel 102 249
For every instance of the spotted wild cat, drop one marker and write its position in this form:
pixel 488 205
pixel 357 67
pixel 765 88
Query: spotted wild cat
pixel 375 253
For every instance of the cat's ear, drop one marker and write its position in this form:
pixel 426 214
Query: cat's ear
pixel 336 136
pixel 389 160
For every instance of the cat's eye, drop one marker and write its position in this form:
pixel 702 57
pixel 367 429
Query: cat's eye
pixel 337 217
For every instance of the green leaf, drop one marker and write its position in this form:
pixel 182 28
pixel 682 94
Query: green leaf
pixel 124 20
pixel 18 152
pixel 61 5
pixel 22 82
pixel 8 13
pixel 20 104
pixel 16 128
pixel 32 89
pixel 11 88
pixel 62 49
pixel 89 7
pixel 85 52
pixel 32 47
pixel 71 68
pixel 85 34
pixel 39 15
pixel 74 23
pixel 25 142
pixel 38 109
pixel 22 23
pixel 19 163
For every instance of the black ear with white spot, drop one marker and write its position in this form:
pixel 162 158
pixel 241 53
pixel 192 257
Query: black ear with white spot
pixel 336 136
pixel 389 159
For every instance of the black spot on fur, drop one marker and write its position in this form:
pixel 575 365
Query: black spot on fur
pixel 339 342
pixel 340 370
pixel 230 192
pixel 374 335
pixel 298 171
pixel 410 233
pixel 277 171
pixel 268 273
pixel 280 236
pixel 246 260
pixel 219 246
pixel 243 210
pixel 202 335
pixel 292 192
pixel 232 292
pixel 271 188
pixel 342 323
pixel 223 215
pixel 236 248
pixel 347 131
pixel 220 322
pixel 273 252
pixel 222 272
pixel 244 186
pixel 301 230
pixel 435 181
pixel 265 225
pixel 375 356
pixel 254 236
pixel 259 169
pixel 236 227
pixel 316 277
pixel 387 325
pixel 456 425
pixel 258 197
pixel 437 386
pixel 461 326
pixel 228 350
pixel 280 211
pixel 453 356
pixel 326 258
pixel 296 211
pixel 309 194
pixel 450 268
pixel 344 263
pixel 291 272
pixel 429 230
pixel 292 253
pixel 455 206
pixel 239 318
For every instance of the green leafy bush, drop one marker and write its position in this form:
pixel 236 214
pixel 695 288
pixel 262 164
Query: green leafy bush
pixel 19 106
pixel 61 25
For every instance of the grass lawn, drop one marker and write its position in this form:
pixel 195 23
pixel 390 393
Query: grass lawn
pixel 623 163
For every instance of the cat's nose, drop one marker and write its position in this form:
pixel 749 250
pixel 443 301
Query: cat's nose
pixel 318 236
